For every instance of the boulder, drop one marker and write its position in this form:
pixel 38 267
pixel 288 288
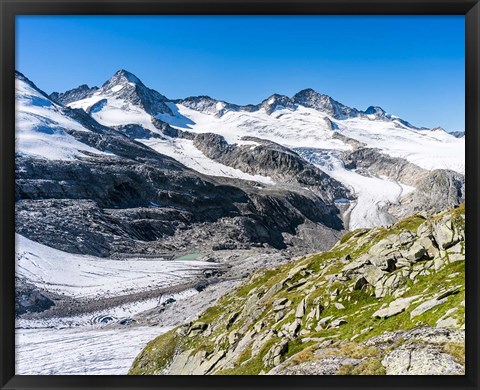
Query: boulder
pixel 444 234
pixel 300 311
pixel 359 283
pixel 425 306
pixel 420 361
pixel 329 365
pixel 274 356
pixel 447 322
pixel 336 323
pixel 388 284
pixel 396 307
pixel 406 237
pixel 416 252
pixel 373 274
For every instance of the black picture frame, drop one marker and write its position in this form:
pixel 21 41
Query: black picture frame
pixel 11 8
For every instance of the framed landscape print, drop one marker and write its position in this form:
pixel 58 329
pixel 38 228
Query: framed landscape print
pixel 271 191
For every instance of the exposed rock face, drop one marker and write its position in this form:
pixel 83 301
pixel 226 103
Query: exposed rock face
pixel 314 317
pixel 419 360
pixel 370 161
pixel 438 190
pixel 28 299
pixel 435 190
pixel 208 105
pixel 113 204
pixel 72 95
pixel 277 101
pixel 278 162
pixel 312 99
pixel 458 134
pixel 273 160
pixel 136 200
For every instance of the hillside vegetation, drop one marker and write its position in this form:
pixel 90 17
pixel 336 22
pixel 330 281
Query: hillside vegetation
pixel 381 301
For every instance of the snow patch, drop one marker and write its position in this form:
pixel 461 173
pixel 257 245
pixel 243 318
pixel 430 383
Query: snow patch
pixel 40 127
pixel 80 351
pixel 84 276
pixel 185 152
pixel 117 88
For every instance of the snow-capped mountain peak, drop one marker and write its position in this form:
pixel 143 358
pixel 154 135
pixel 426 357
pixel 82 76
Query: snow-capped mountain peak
pixel 312 99
pixel 277 101
pixel 44 128
pixel 124 99
pixel 123 78
pixel 72 95
pixel 377 111
pixel 128 87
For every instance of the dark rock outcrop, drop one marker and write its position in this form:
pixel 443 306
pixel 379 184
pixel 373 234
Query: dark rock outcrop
pixel 29 299
pixel 273 160
pixel 73 95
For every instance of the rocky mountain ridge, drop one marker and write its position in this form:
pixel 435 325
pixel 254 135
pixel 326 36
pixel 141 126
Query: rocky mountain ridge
pixel 382 301
pixel 263 139
pixel 307 98
pixel 128 198
pixel 307 194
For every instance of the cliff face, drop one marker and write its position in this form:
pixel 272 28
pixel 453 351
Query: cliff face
pixel 382 301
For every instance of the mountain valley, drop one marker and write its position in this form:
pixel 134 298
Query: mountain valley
pixel 138 214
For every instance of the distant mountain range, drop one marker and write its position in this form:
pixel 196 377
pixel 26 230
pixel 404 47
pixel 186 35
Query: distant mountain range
pixel 122 168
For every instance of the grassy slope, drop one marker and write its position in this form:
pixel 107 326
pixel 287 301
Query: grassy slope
pixel 359 307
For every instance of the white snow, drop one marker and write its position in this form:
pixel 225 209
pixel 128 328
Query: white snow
pixel 305 127
pixel 40 127
pixel 81 344
pixel 119 112
pixel 373 193
pixel 80 351
pixel 427 149
pixel 299 128
pixel 90 276
pixel 117 88
pixel 115 111
pixel 184 151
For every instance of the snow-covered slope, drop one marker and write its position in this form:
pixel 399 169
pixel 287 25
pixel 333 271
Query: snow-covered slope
pixel 373 194
pixel 89 276
pixel 308 127
pixel 306 120
pixel 85 351
pixel 41 125
pixel 184 151
pixel 124 99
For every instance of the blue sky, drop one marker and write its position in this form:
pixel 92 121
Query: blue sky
pixel 412 66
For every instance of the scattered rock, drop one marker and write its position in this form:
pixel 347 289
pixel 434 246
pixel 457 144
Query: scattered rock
pixel 425 306
pixel 396 307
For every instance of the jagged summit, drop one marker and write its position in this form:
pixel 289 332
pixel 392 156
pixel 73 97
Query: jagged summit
pixel 122 76
pixel 312 99
pixel 20 75
pixel 277 100
pixel 375 110
pixel 72 95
